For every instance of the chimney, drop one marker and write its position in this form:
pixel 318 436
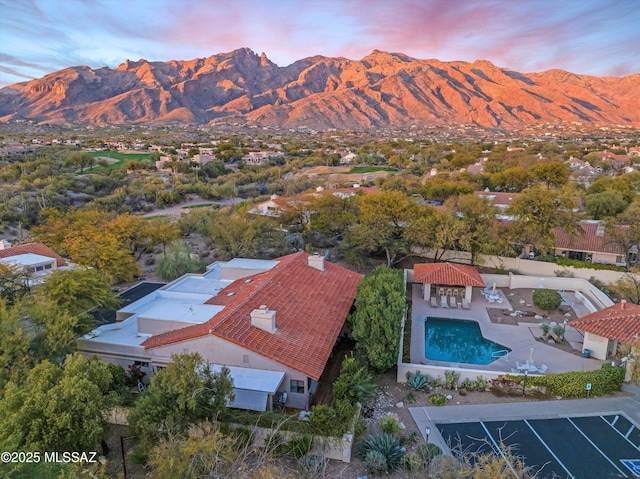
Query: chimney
pixel 316 261
pixel 264 319
pixel 623 303
pixel 4 244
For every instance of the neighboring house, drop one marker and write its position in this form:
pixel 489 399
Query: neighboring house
pixel 36 259
pixel 502 201
pixel 260 157
pixel 347 158
pixel 582 172
pixel 274 322
pixel 203 158
pixel 591 245
pixel 616 161
pixel 276 205
pixel 605 329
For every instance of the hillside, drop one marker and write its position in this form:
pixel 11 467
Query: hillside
pixel 380 90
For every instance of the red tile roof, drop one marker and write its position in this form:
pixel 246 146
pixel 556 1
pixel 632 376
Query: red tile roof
pixel 620 322
pixel 310 305
pixel 497 198
pixel 450 274
pixel 34 248
pixel 589 242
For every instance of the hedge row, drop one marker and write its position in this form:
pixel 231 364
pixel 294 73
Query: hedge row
pixel 587 265
pixel 573 383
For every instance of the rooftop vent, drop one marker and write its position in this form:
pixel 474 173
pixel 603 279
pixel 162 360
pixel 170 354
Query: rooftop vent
pixel 264 319
pixel 316 261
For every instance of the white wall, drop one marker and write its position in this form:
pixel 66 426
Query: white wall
pixel 597 344
pixel 219 351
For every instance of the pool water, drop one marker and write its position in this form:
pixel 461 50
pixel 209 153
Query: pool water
pixel 459 341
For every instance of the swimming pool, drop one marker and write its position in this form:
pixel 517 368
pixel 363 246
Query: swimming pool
pixel 460 341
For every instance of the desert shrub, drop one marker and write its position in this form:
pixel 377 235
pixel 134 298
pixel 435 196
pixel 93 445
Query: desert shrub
pixel 389 423
pixel 451 379
pixel 355 383
pixel 417 380
pixel 410 438
pixel 312 464
pixel 546 327
pixel 411 463
pixel 426 452
pixel 376 462
pixel 438 399
pixel 588 265
pixel 547 299
pixel 410 397
pixel 388 446
pixel 299 447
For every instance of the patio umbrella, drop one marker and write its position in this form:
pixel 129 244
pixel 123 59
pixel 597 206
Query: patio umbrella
pixel 493 289
pixel 531 356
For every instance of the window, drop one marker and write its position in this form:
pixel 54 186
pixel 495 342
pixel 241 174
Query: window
pixel 619 259
pixel 48 266
pixel 39 268
pixel 143 364
pixel 297 386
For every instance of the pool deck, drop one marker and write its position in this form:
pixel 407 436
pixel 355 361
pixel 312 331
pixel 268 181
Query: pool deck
pixel 520 339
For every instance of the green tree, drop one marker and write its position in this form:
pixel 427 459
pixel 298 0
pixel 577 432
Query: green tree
pixel 628 287
pixel 376 323
pixel 14 283
pixel 236 235
pixel 605 204
pixel 538 211
pixel 179 260
pixel 382 225
pixel 15 339
pixel 183 393
pixel 551 172
pixel 81 159
pixel 58 409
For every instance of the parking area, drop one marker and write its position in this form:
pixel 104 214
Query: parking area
pixel 582 447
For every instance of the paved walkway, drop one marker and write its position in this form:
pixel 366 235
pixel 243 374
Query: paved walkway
pixel 520 339
pixel 430 416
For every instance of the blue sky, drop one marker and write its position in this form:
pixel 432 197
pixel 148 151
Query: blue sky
pixel 597 37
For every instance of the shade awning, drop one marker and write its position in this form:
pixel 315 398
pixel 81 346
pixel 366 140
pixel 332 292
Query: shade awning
pixel 251 400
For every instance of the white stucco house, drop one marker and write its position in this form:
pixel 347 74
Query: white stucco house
pixel 273 322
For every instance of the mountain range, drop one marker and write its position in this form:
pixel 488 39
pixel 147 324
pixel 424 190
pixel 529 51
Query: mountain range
pixel 380 90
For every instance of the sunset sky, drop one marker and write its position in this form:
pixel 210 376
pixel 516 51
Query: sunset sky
pixel 598 37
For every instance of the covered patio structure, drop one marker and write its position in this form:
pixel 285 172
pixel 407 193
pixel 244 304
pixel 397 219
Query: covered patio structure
pixel 448 280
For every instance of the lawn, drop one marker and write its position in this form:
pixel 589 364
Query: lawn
pixel 122 158
pixel 370 169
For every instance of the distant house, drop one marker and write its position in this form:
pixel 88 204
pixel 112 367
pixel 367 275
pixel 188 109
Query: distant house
pixel 590 244
pixel 36 259
pixel 276 205
pixel 260 157
pixel 275 323
pixel 582 172
pixel 347 158
pixel 605 329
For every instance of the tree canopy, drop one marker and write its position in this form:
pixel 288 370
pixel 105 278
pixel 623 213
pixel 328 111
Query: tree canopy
pixel 377 321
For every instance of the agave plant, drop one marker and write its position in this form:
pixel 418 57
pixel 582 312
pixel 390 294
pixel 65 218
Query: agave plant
pixel 385 444
pixel 417 380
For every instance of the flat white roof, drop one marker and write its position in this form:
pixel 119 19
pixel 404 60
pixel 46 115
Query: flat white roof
pixel 247 263
pixel 173 310
pixel 198 284
pixel 122 333
pixel 28 259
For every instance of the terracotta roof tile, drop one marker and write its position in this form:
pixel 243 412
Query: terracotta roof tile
pixel 620 322
pixel 450 274
pixel 34 248
pixel 310 305
pixel 589 242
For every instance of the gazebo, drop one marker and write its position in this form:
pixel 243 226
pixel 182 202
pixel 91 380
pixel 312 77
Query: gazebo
pixel 605 329
pixel 447 279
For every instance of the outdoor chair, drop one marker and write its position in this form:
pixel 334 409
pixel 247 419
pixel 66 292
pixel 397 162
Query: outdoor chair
pixel 452 302
pixel 443 302
pixel 434 302
pixel 465 303
pixel 542 369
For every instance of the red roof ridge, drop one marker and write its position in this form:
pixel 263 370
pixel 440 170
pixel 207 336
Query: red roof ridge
pixel 34 248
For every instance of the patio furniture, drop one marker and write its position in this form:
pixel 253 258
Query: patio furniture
pixel 443 302
pixel 279 400
pixel 434 302
pixel 491 299
pixel 542 369
pixel 452 302
pixel 465 303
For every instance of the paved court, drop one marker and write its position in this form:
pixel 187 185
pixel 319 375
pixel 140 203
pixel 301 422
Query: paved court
pixel 598 447
pixel 580 439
